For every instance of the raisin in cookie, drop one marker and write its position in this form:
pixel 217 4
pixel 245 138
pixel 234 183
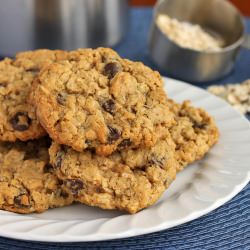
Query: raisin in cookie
pixel 27 181
pixel 128 180
pixel 98 100
pixel 17 116
pixel 194 134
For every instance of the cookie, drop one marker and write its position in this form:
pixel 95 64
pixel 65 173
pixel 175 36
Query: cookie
pixel 128 180
pixel 27 180
pixel 194 133
pixel 17 116
pixel 98 100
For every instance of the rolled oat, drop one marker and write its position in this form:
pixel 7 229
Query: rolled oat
pixel 188 35
pixel 238 95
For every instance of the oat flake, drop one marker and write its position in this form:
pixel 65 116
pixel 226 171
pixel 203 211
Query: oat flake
pixel 238 95
pixel 188 35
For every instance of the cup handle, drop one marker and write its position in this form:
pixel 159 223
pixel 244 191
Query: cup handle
pixel 246 42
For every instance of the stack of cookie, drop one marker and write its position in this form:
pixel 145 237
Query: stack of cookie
pixel 117 141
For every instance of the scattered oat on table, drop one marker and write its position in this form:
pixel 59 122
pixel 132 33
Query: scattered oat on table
pixel 238 95
pixel 188 35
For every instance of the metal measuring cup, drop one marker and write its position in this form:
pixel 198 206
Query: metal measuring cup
pixel 218 16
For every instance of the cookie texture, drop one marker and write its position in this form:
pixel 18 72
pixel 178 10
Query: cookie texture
pixel 17 116
pixel 98 100
pixel 128 180
pixel 27 180
pixel 194 133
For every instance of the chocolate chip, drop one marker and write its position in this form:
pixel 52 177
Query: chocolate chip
pixel 20 121
pixel 114 134
pixel 125 143
pixel 2 85
pixel 109 106
pixel 61 98
pixel 18 200
pixel 75 185
pixel 48 168
pixel 133 109
pixel 199 125
pixel 111 69
pixel 60 182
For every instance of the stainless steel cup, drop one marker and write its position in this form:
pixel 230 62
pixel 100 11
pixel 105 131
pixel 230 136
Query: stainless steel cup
pixel 218 16
pixel 60 24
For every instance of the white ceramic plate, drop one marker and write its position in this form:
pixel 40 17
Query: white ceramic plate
pixel 199 189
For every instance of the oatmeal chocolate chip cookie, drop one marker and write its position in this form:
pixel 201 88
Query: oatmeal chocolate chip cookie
pixel 98 100
pixel 128 180
pixel 27 180
pixel 17 116
pixel 194 134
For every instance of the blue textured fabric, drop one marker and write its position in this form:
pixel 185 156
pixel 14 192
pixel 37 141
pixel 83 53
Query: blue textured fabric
pixel 228 227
